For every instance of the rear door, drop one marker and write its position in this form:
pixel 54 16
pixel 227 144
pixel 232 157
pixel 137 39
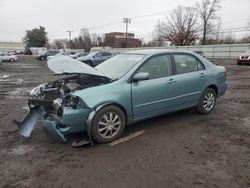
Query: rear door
pixel 190 79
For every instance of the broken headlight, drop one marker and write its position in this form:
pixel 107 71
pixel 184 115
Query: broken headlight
pixel 37 90
pixel 71 101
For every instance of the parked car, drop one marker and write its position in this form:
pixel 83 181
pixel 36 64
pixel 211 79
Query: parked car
pixel 59 54
pixel 79 54
pixel 42 57
pixel 244 58
pixel 95 58
pixel 125 89
pixel 200 53
pixel 27 51
pixel 5 56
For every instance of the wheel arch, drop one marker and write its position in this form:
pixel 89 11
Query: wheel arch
pixel 214 87
pixel 104 104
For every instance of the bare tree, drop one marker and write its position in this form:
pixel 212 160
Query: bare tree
pixel 229 39
pixel 180 28
pixel 85 34
pixel 60 43
pixel 207 12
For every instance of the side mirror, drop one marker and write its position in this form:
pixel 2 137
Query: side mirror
pixel 141 76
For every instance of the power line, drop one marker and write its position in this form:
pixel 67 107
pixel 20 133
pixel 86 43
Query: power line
pixel 135 17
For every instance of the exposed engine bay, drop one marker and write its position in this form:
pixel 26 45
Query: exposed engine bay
pixel 53 96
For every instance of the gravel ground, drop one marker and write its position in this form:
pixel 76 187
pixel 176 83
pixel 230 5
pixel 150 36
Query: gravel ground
pixel 181 149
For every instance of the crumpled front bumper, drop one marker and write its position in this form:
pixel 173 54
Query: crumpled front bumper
pixel 72 121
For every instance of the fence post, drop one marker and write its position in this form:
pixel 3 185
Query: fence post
pixel 213 50
pixel 229 55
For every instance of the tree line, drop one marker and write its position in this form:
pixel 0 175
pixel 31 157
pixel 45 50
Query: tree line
pixel 198 24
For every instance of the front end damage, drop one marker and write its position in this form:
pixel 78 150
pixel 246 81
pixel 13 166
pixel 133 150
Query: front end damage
pixel 61 112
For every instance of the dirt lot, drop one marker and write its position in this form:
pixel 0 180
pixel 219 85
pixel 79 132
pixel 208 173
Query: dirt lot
pixel 182 149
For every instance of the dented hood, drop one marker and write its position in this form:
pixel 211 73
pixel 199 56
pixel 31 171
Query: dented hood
pixel 65 64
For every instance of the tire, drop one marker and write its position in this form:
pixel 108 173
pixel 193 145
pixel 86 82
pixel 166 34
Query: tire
pixel 12 60
pixel 102 128
pixel 239 63
pixel 207 101
pixel 42 58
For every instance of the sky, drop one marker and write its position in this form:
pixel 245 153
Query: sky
pixel 60 16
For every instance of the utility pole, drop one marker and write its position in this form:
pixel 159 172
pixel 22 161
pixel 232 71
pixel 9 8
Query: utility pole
pixel 126 21
pixel 70 34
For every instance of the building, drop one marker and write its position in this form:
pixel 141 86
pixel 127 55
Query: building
pixel 11 46
pixel 118 40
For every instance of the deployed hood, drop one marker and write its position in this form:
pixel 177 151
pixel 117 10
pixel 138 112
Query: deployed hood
pixel 65 64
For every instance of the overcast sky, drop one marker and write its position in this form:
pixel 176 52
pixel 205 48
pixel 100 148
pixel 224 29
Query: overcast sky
pixel 59 16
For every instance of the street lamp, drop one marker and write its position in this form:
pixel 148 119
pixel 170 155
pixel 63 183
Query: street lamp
pixel 126 21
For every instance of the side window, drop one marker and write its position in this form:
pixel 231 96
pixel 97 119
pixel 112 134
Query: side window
pixel 98 54
pixel 106 54
pixel 186 63
pixel 158 67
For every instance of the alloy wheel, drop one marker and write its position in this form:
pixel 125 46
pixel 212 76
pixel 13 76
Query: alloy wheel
pixel 109 124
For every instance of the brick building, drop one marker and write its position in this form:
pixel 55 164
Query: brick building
pixel 118 40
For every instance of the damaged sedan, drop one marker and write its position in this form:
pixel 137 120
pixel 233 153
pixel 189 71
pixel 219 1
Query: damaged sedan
pixel 127 88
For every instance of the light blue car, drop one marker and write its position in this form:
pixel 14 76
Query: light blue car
pixel 127 88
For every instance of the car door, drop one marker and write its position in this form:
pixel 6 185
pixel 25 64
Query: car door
pixel 152 96
pixel 6 57
pixel 189 79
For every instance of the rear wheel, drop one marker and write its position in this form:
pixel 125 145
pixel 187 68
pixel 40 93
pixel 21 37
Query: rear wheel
pixel 11 60
pixel 239 63
pixel 207 101
pixel 108 124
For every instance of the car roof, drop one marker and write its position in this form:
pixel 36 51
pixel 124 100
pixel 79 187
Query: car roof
pixel 155 51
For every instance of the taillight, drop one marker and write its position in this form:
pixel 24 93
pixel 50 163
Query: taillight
pixel 225 73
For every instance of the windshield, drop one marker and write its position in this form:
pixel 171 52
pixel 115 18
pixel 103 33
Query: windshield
pixel 91 54
pixel 119 65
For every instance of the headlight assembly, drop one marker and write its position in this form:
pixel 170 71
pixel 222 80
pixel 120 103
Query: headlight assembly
pixel 37 90
pixel 71 101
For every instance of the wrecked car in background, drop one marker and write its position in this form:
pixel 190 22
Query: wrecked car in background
pixel 95 58
pixel 124 89
pixel 244 58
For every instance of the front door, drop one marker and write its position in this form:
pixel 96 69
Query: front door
pixel 151 97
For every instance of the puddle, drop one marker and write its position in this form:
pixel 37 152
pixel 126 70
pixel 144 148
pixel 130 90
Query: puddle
pixel 246 122
pixel 29 66
pixel 21 150
pixel 4 76
pixel 19 93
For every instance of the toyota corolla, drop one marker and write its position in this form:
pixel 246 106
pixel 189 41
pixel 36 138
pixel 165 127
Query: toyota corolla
pixel 125 89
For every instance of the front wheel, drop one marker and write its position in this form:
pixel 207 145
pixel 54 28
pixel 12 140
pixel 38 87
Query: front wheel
pixel 108 124
pixel 207 101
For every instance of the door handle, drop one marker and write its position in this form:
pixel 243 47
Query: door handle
pixel 171 81
pixel 202 74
